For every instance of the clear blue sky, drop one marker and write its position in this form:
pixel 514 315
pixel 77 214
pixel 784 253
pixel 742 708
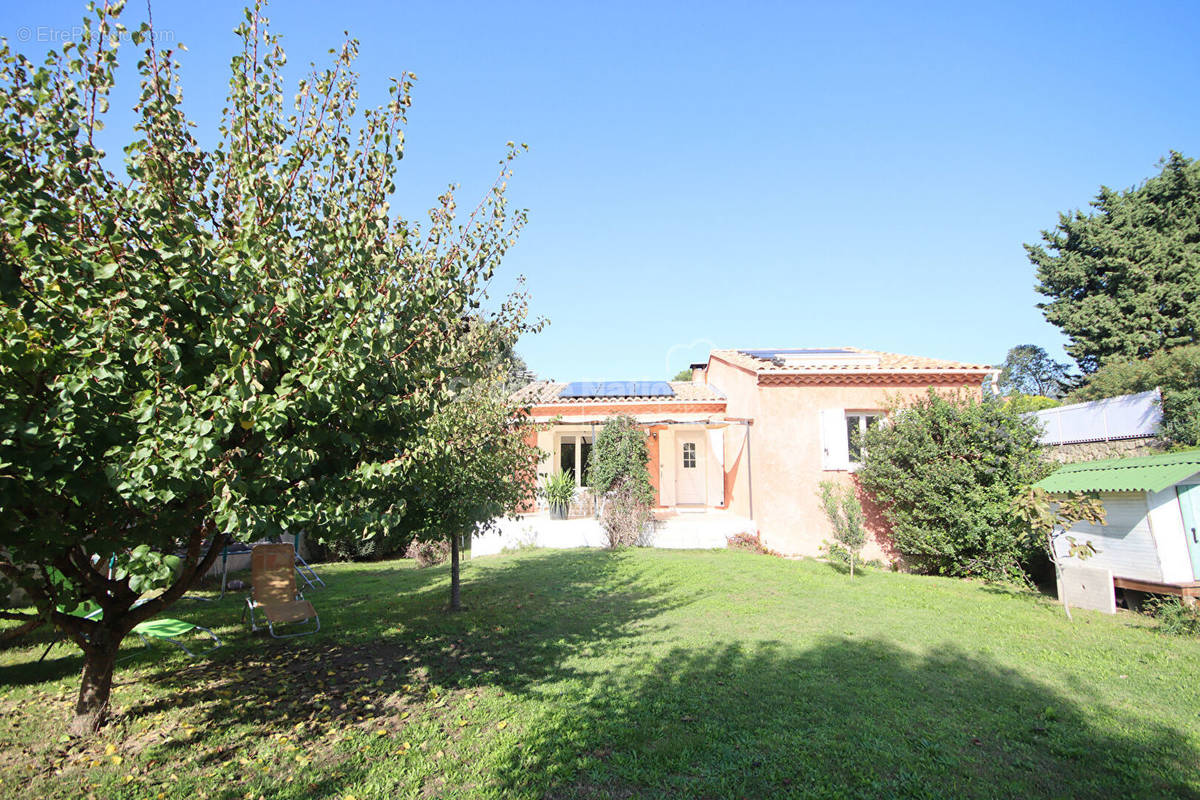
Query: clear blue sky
pixel 765 174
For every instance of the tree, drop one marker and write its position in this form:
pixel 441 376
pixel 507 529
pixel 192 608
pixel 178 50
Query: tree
pixel 945 471
pixel 476 466
pixel 845 514
pixel 683 375
pixel 1028 369
pixel 1124 281
pixel 237 341
pixel 1048 520
pixel 1176 372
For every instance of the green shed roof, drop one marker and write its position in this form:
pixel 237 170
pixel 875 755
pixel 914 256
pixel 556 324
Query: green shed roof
pixel 1141 473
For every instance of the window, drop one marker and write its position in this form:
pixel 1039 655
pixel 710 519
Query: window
pixel 689 455
pixel 857 425
pixel 574 453
pixel 566 456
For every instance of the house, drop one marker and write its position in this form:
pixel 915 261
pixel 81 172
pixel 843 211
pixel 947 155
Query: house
pixel 752 434
pixel 1149 538
pixel 1128 425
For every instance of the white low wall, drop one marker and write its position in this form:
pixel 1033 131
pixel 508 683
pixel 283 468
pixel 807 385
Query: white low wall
pixel 685 531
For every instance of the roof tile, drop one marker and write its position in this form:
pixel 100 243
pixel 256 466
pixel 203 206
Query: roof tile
pixel 888 362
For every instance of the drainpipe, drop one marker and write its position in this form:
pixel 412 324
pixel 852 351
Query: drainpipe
pixel 595 502
pixel 749 475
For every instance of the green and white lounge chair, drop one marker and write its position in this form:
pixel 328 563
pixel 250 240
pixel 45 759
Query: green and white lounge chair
pixel 164 628
pixel 169 630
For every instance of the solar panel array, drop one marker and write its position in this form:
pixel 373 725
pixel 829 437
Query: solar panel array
pixel 617 389
pixel 771 355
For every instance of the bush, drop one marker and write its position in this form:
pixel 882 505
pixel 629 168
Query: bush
pixel 750 541
pixel 1173 616
pixel 1176 372
pixel 346 549
pixel 945 472
pixel 1020 403
pixel 624 516
pixel 428 554
pixel 620 453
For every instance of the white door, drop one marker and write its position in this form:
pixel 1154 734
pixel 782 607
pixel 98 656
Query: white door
pixel 689 468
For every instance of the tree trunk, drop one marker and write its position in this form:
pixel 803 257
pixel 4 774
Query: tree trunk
pixel 455 590
pixel 91 707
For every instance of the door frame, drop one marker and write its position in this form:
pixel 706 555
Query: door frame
pixel 1188 497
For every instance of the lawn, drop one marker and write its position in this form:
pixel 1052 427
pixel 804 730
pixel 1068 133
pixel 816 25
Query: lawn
pixel 638 674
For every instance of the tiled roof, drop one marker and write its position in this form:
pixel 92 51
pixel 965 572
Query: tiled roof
pixel 545 393
pixel 888 362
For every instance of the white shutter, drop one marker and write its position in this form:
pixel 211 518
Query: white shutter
pixel 835 445
pixel 716 466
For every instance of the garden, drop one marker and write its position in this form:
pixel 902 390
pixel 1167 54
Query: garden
pixel 636 673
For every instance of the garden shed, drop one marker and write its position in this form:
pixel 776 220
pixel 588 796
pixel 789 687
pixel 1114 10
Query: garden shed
pixel 1150 539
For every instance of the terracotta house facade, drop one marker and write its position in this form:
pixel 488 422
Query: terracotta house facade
pixel 752 434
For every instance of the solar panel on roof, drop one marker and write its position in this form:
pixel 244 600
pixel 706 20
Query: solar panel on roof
pixel 814 351
pixel 617 389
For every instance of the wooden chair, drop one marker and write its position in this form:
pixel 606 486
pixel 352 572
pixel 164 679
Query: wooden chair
pixel 274 594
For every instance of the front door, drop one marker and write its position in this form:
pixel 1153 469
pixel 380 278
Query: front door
pixel 1189 505
pixel 689 469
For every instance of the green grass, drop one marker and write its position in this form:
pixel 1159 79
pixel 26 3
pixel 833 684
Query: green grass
pixel 638 674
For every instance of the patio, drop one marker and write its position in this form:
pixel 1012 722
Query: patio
pixel 680 530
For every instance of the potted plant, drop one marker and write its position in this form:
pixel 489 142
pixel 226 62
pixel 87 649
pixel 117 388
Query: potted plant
pixel 559 490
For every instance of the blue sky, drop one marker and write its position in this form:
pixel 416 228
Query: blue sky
pixel 748 175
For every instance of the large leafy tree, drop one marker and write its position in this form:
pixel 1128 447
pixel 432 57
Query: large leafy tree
pixel 241 339
pixel 1029 370
pixel 1124 281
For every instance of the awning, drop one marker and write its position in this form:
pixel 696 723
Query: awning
pixel 1141 473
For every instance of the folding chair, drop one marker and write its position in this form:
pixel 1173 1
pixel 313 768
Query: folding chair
pixel 273 593
pixel 169 630
pixel 164 628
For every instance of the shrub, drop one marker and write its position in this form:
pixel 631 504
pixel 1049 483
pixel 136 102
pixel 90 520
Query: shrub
pixel 750 541
pixel 620 453
pixel 1020 403
pixel 428 554
pixel 1176 372
pixel 945 472
pixel 845 514
pixel 1173 616
pixel 624 516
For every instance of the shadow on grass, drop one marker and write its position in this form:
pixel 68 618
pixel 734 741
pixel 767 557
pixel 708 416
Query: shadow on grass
pixel 389 652
pixel 842 719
